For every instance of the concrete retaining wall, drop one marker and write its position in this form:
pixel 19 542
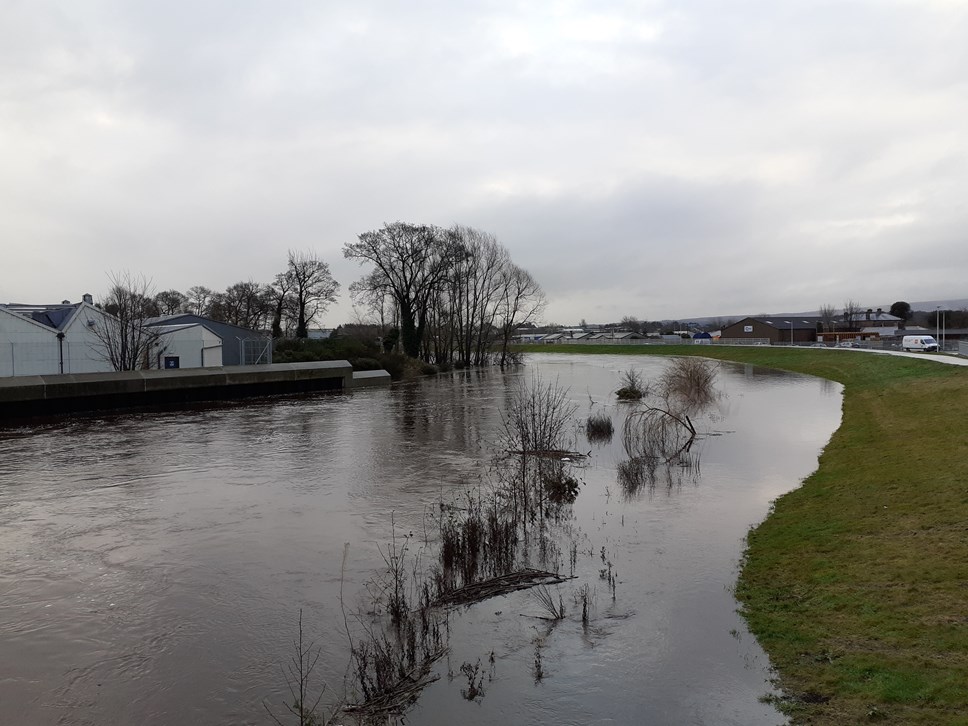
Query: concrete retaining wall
pixel 368 379
pixel 27 396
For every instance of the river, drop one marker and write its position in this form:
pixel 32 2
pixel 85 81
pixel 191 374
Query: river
pixel 155 564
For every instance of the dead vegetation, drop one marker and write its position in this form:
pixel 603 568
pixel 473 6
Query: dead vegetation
pixel 488 542
pixel 633 387
pixel 689 384
pixel 599 428
pixel 659 436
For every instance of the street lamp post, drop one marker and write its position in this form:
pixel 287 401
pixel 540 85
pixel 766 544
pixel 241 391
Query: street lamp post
pixel 937 324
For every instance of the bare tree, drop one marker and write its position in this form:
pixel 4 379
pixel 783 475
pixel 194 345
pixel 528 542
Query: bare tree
pixel 477 282
pixel 630 322
pixel 852 313
pixel 828 315
pixel 282 301
pixel 311 287
pixel 198 299
pixel 522 301
pixel 246 304
pixel 125 342
pixel 410 262
pixel 170 302
pixel 373 294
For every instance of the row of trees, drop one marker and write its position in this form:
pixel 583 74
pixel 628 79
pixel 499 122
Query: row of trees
pixel 286 306
pixel 454 294
pixel 449 295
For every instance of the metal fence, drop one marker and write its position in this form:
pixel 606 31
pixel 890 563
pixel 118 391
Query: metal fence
pixel 255 351
pixel 47 358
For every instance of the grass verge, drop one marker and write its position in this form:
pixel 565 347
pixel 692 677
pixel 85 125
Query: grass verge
pixel 857 582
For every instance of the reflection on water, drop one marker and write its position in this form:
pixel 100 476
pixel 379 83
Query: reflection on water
pixel 154 564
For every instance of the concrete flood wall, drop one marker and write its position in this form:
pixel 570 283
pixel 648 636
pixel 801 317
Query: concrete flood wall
pixel 28 396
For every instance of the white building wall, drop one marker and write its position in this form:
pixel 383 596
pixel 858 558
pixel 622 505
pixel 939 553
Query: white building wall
pixel 29 348
pixel 26 348
pixel 196 347
pixel 83 350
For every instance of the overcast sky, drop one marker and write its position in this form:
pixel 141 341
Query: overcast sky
pixel 656 159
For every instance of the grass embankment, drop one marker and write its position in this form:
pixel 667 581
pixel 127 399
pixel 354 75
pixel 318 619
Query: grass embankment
pixel 857 583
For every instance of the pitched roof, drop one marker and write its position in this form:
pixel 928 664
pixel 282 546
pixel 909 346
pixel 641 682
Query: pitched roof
pixel 783 322
pixel 51 316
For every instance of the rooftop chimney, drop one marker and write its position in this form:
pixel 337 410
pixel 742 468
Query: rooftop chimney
pixel 88 298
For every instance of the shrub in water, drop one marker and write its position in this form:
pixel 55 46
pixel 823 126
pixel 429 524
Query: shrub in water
pixel 599 428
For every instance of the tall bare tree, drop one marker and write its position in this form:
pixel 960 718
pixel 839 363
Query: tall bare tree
pixel 522 301
pixel 372 293
pixel 828 316
pixel 477 280
pixel 125 342
pixel 170 302
pixel 852 313
pixel 247 304
pixel 307 280
pixel 410 262
pixel 198 299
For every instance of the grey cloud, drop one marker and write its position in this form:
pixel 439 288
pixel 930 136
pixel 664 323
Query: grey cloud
pixel 662 159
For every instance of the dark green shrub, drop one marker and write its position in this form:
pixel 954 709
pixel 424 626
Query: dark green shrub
pixel 393 363
pixel 366 364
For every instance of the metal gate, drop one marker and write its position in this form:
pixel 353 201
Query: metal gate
pixel 255 351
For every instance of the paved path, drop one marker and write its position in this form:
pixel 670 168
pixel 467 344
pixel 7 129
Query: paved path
pixel 953 360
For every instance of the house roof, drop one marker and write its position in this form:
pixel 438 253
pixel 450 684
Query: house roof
pixel 784 322
pixel 878 316
pixel 167 329
pixel 213 325
pixel 51 316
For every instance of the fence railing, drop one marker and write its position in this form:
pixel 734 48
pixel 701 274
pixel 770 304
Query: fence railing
pixel 48 357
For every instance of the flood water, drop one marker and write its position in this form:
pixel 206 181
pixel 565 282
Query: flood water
pixel 154 564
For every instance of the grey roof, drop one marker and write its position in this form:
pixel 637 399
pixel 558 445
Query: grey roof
pixel 783 322
pixel 164 328
pixel 213 325
pixel 53 316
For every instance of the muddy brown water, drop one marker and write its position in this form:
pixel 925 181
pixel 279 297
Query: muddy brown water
pixel 154 564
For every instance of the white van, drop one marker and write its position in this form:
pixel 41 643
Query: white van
pixel 924 343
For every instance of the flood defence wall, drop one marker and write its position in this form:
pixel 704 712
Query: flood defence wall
pixel 31 396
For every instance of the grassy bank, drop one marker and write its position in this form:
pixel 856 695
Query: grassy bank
pixel 857 583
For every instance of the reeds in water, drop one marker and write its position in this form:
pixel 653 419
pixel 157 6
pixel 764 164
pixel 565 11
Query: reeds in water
pixel 599 428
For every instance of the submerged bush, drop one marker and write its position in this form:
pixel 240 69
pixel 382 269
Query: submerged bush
pixel 633 389
pixel 599 427
pixel 690 382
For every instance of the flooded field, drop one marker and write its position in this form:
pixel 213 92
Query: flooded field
pixel 155 564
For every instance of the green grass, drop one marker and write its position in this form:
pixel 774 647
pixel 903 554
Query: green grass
pixel 857 583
